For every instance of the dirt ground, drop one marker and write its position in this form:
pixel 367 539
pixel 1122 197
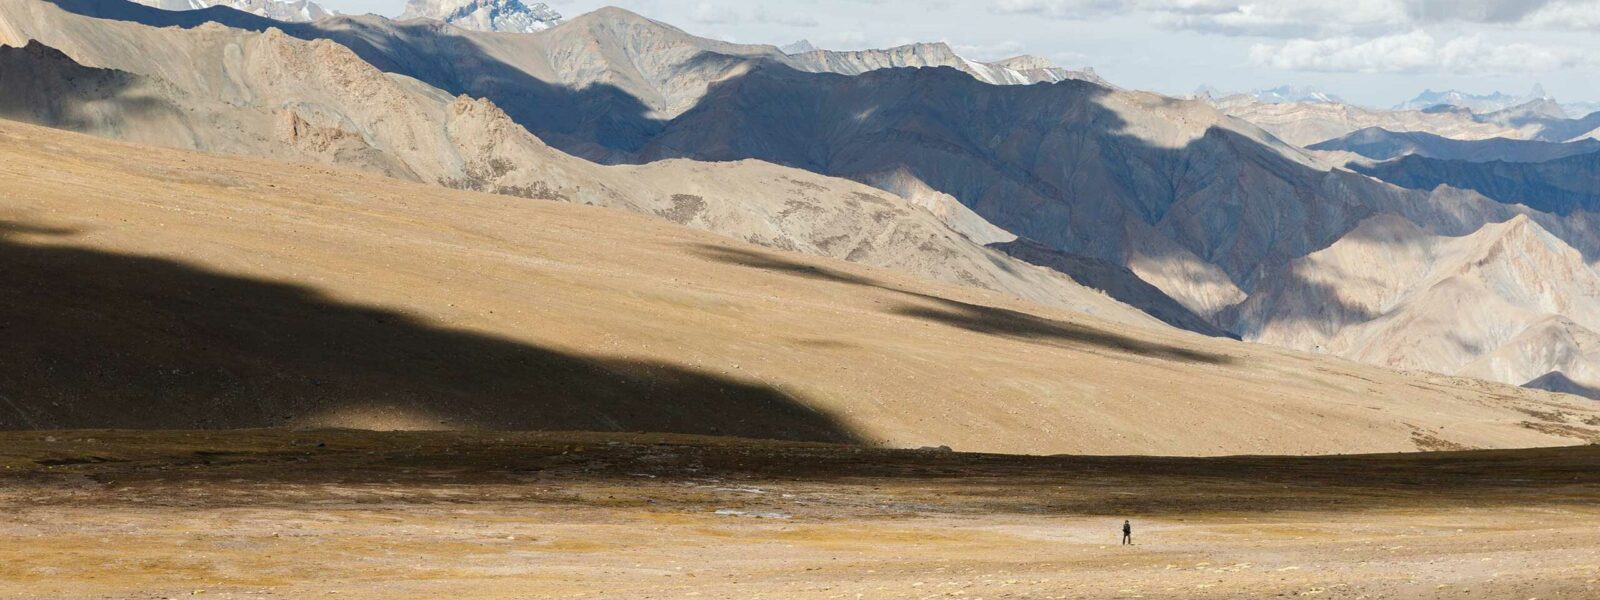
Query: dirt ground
pixel 340 514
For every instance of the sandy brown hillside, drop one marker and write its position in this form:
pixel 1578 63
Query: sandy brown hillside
pixel 184 290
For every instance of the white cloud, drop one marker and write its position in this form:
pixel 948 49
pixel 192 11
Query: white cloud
pixel 714 14
pixel 789 19
pixel 1414 52
pixel 996 51
pixel 1320 18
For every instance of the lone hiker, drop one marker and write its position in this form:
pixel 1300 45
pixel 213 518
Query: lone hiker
pixel 1127 533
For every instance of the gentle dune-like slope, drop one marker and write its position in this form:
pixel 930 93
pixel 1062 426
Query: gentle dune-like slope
pixel 178 289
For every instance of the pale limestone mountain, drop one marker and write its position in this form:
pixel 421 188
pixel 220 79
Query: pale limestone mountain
pixel 269 94
pixel 1019 70
pixel 1308 123
pixel 1509 302
pixel 289 11
pixel 512 16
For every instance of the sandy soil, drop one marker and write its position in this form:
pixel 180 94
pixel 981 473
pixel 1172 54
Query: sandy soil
pixel 276 514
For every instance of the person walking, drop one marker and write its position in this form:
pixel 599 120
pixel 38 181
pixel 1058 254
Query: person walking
pixel 1127 533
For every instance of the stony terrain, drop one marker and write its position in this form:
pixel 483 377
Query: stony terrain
pixel 275 514
pixel 187 290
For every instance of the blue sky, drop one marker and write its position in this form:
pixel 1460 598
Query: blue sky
pixel 1376 52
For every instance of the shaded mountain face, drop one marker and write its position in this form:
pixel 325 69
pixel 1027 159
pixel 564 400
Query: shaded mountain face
pixel 1381 144
pixel 1562 186
pixel 512 16
pixel 1193 201
pixel 290 11
pixel 1115 280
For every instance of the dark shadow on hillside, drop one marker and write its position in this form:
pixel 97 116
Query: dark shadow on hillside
pixel 596 122
pixel 1556 381
pixel 1561 186
pixel 987 320
pixel 1047 162
pixel 98 340
pixel 42 86
pixel 1116 281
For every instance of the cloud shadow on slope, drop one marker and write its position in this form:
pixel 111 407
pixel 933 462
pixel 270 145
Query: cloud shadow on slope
pixel 95 339
pixel 978 318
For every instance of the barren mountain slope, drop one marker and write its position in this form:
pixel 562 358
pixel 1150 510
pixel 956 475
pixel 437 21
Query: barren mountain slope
pixel 1510 302
pixel 596 86
pixel 1561 185
pixel 1199 204
pixel 183 289
pixel 285 98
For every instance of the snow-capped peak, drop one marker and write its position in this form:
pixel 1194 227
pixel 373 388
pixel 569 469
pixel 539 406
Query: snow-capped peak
pixel 486 15
pixel 292 11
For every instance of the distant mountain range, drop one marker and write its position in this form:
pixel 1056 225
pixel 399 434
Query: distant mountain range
pixel 1277 95
pixel 1485 103
pixel 486 15
pixel 1228 225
